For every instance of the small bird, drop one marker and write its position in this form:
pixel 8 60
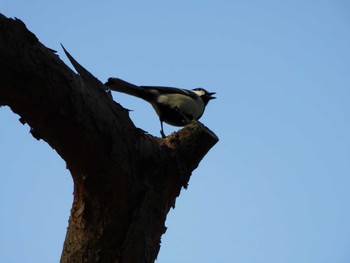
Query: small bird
pixel 174 106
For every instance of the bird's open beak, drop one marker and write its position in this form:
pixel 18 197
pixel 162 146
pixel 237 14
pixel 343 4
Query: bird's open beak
pixel 211 95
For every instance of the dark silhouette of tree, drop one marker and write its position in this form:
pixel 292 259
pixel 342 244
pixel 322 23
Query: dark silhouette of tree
pixel 125 181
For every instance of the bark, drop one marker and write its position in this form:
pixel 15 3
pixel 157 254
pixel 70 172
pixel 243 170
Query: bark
pixel 125 181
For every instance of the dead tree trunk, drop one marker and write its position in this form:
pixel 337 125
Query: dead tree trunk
pixel 125 181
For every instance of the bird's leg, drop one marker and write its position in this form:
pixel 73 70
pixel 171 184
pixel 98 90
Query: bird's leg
pixel 162 131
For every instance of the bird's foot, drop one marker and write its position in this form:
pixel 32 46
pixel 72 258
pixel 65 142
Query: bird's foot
pixel 162 133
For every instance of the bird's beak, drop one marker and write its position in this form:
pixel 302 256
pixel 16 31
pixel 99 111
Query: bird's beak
pixel 211 95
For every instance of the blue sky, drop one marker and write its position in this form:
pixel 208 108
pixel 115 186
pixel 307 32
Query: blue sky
pixel 276 186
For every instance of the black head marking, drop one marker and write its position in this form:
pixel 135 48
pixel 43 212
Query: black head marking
pixel 205 95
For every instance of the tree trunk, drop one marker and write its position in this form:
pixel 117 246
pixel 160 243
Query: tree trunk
pixel 125 181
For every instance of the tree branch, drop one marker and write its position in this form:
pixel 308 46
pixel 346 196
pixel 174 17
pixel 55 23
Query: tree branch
pixel 125 181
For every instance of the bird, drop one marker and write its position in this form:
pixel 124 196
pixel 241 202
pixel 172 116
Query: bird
pixel 173 106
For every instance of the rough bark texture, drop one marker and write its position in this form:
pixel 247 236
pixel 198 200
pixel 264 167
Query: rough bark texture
pixel 125 181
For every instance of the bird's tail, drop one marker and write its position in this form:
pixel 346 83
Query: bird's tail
pixel 120 85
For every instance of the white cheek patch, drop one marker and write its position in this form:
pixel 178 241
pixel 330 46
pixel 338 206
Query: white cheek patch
pixel 199 92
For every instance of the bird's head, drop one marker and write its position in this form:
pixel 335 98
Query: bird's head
pixel 205 95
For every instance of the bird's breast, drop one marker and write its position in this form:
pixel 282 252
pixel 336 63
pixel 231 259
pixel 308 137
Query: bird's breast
pixel 178 109
pixel 183 103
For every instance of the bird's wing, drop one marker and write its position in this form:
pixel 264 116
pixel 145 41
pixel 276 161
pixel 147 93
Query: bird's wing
pixel 170 90
pixel 149 93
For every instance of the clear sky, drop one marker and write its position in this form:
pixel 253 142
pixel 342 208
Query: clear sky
pixel 276 186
